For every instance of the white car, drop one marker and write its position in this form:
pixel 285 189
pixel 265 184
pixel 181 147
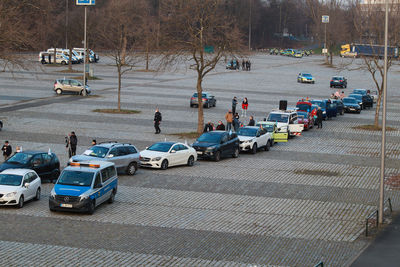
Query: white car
pixel 18 186
pixel 252 137
pixel 286 121
pixel 164 154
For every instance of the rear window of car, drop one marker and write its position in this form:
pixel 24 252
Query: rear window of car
pixel 202 95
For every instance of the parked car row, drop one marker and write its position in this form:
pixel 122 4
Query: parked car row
pixel 63 56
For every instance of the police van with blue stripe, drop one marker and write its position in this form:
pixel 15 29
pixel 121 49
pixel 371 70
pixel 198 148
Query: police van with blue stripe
pixel 83 186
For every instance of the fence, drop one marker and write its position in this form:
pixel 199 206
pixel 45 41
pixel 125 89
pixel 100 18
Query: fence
pixel 372 218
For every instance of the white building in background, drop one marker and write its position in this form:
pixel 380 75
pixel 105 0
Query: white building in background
pixel 374 5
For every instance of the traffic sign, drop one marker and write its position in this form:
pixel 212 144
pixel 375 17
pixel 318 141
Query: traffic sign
pixel 325 19
pixel 85 2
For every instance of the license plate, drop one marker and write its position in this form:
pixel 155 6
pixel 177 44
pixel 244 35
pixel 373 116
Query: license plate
pixel 66 205
pixel 352 109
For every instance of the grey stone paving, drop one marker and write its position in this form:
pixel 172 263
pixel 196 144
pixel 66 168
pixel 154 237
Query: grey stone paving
pixel 301 202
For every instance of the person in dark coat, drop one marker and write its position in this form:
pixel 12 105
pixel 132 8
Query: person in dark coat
pixel 72 142
pixel 220 126
pixel 236 122
pixel 243 64
pixel 251 121
pixel 7 150
pixel 157 121
pixel 208 127
pixel 234 103
pixel 319 117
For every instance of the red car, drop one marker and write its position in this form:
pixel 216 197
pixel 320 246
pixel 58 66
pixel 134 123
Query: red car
pixel 305 118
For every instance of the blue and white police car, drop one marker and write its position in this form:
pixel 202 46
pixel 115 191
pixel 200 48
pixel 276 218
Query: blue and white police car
pixel 82 186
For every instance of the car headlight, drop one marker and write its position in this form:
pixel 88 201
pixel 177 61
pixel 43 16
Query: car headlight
pixel 210 148
pixel 83 197
pixel 12 194
pixel 156 159
pixel 323 112
pixel 53 194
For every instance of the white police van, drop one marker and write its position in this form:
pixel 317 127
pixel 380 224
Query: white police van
pixel 84 186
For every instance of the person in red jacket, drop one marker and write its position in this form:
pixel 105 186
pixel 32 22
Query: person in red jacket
pixel 245 105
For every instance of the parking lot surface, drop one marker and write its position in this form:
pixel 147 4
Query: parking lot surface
pixel 300 203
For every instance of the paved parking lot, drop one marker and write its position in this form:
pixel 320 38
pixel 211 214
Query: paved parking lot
pixel 299 203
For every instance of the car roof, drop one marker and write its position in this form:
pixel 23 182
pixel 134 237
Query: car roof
pixel 168 143
pixel 250 127
pixel 110 144
pixel 33 152
pixel 349 98
pixel 355 94
pixel 337 76
pixel 17 171
pixel 217 132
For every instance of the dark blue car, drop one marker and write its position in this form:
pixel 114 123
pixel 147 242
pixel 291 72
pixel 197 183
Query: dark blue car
pixel 322 105
pixel 351 105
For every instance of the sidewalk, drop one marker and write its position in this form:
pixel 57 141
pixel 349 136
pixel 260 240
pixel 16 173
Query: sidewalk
pixel 384 251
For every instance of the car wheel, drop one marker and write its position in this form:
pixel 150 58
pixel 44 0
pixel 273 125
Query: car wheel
pixel 190 161
pixel 267 146
pixel 91 207
pixel 164 164
pixel 63 63
pixel 254 149
pixel 58 91
pixel 21 202
pixel 235 153
pixel 131 169
pixel 208 105
pixel 37 196
pixel 313 82
pixel 272 142
pixel 191 105
pixel 112 197
pixel 52 209
pixel 342 112
pixel 345 86
pixel 217 156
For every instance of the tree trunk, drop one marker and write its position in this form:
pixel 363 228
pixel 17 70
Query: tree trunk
pixel 377 109
pixel 70 59
pixel 147 54
pixel 331 58
pixel 54 55
pixel 119 87
pixel 123 52
pixel 200 113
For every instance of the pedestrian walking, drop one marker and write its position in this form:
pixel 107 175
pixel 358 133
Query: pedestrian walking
pixel 7 150
pixel 243 64
pixel 249 65
pixel 229 119
pixel 220 126
pixel 72 142
pixel 245 106
pixel 236 122
pixel 319 117
pixel 234 103
pixel 251 121
pixel 157 121
pixel 208 127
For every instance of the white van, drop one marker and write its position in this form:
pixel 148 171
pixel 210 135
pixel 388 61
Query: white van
pixel 92 56
pixel 46 57
pixel 75 58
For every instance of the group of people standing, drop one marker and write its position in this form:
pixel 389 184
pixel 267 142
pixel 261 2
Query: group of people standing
pixel 246 65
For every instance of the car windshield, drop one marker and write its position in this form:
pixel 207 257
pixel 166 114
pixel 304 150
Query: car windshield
pixel 307 75
pixel 275 117
pixel 20 157
pixel 319 103
pixel 247 132
pixel 337 78
pixel 161 147
pixel 96 151
pixel 202 95
pixel 303 107
pixel 10 179
pixel 302 113
pixel 79 178
pixel 209 138
pixel 359 97
pixel 349 100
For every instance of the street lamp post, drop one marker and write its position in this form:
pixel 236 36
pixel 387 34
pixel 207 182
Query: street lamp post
pixel 250 25
pixel 383 144
pixel 325 20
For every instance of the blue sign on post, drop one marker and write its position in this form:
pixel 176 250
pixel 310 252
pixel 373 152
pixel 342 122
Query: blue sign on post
pixel 85 2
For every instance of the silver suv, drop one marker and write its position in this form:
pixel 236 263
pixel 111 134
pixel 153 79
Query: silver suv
pixel 69 85
pixel 124 156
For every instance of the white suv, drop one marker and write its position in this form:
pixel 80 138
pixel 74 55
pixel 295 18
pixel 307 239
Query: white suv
pixel 252 137
pixel 286 121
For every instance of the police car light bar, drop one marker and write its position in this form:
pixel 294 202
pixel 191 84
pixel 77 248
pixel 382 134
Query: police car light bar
pixel 78 164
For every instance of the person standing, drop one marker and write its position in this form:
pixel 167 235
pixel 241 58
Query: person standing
pixel 319 117
pixel 234 103
pixel 243 64
pixel 245 106
pixel 341 95
pixel 7 150
pixel 251 121
pixel 94 142
pixel 220 126
pixel 236 122
pixel 229 119
pixel 208 127
pixel 72 142
pixel 157 121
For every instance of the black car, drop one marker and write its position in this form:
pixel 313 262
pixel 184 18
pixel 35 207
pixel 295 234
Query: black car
pixel 208 100
pixel 338 81
pixel 1 125
pixel 217 144
pixel 46 165
pixel 351 105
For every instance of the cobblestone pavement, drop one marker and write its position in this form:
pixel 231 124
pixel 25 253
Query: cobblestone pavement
pixel 299 203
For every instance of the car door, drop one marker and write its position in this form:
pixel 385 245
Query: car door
pixel 263 137
pixel 174 155
pixel 116 156
pixel 38 165
pixel 98 186
pixel 47 165
pixel 224 146
pixel 183 154
pixel 27 190
pixel 34 183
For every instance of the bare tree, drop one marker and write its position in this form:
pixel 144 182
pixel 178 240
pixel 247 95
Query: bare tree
pixel 188 26
pixel 369 21
pixel 120 34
